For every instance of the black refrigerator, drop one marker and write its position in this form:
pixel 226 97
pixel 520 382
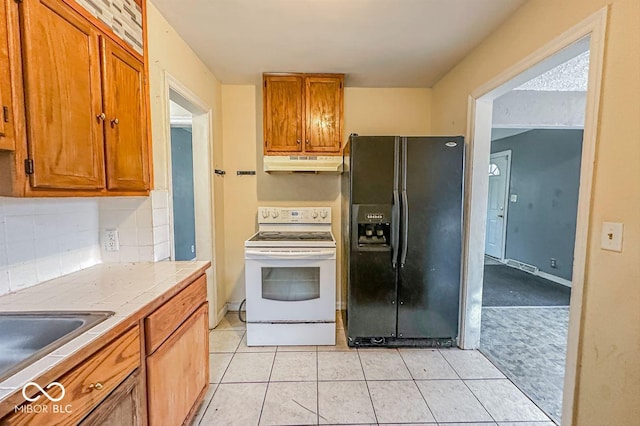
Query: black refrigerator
pixel 402 239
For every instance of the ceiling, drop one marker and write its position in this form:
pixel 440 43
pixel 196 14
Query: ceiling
pixel 377 43
pixel 570 76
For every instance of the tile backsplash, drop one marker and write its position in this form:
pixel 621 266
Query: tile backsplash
pixel 41 239
pixel 142 224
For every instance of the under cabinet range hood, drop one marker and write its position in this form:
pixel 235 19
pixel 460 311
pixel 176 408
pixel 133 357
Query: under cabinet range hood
pixel 303 163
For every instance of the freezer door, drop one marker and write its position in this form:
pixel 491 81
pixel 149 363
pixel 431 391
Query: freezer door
pixel 431 237
pixel 372 290
pixel 372 169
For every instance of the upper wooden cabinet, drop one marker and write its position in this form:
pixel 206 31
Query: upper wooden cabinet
pixel 127 144
pixel 84 99
pixel 283 113
pixel 323 97
pixel 63 97
pixel 303 113
pixel 7 141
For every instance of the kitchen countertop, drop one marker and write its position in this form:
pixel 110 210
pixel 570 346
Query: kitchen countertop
pixel 131 290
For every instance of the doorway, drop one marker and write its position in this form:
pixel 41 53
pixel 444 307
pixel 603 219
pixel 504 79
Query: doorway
pixel 497 205
pixel 589 33
pixel 525 315
pixel 184 219
pixel 189 151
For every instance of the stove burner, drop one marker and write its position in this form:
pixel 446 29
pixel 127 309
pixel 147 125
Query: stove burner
pixel 291 236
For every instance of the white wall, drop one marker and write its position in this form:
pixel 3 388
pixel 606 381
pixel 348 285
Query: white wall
pixel 42 239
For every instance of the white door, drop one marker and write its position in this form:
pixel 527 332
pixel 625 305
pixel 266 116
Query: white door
pixel 499 171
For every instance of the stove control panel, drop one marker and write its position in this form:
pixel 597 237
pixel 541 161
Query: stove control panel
pixel 294 214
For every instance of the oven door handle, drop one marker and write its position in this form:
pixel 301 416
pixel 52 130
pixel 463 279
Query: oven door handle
pixel 289 254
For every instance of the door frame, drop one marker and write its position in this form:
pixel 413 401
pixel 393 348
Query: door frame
pixel 202 144
pixel 591 30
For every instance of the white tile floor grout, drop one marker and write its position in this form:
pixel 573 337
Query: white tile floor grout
pixel 373 386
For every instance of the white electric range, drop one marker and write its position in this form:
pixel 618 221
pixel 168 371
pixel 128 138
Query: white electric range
pixel 290 278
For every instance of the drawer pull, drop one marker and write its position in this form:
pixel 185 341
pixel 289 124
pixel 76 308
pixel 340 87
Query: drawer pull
pixel 96 386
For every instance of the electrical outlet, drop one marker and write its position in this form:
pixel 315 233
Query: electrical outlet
pixel 554 263
pixel 111 242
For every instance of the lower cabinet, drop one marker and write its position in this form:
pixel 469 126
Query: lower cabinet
pixel 86 386
pixel 177 372
pixel 111 387
pixel 121 408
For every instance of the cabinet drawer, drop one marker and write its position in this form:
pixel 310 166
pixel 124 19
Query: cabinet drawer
pixel 167 318
pixel 86 385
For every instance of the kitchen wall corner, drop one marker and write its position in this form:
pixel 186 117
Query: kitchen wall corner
pixel 160 221
pixel 142 224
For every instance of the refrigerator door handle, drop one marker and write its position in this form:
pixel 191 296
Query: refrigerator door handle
pixel 395 212
pixel 395 232
pixel 405 226
pixel 405 205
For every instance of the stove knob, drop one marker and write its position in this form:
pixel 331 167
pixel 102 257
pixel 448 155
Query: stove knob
pixel 323 214
pixel 275 213
pixel 314 214
pixel 265 213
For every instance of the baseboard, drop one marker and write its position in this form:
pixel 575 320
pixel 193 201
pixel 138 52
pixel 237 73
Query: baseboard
pixel 534 270
pixel 221 313
pixel 554 278
pixel 233 306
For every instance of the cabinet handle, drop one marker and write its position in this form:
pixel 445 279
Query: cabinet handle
pixel 307 141
pixel 96 386
pixel 101 116
pixel 298 141
pixel 114 122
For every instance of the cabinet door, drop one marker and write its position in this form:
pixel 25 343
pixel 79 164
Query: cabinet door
pixel 283 115
pixel 123 407
pixel 127 144
pixel 178 373
pixel 6 119
pixel 63 96
pixel 324 114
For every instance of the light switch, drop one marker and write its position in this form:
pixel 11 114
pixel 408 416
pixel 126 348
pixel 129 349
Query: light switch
pixel 513 198
pixel 611 236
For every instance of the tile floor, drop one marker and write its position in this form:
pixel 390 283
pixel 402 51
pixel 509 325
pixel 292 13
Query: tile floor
pixel 340 385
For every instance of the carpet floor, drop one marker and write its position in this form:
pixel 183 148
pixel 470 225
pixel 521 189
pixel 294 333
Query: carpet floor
pixel 529 345
pixel 506 286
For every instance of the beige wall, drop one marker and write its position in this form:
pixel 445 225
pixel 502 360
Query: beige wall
pixel 367 111
pixel 387 112
pixel 609 375
pixel 168 52
pixel 240 197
